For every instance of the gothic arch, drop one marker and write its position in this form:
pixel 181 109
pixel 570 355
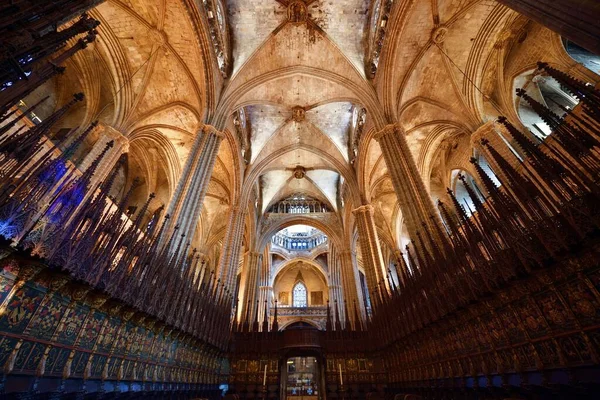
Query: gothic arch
pixel 233 98
pixel 173 167
pixel 290 263
pixel 292 321
pixel 262 167
pixel 274 225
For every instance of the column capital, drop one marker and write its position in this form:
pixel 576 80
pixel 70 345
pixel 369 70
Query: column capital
pixel 366 208
pixel 390 128
pixel 209 129
pixel 121 140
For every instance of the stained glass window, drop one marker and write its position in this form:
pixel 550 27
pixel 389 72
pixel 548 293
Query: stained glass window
pixel 299 295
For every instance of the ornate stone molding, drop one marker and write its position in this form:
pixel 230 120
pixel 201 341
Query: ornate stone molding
pixel 380 14
pixel 438 35
pixel 211 130
pixel 297 11
pixel 298 114
pixel 299 172
pixel 367 208
pixel 301 311
pixel 219 33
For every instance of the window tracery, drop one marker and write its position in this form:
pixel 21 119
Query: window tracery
pixel 299 204
pixel 589 60
pixel 299 295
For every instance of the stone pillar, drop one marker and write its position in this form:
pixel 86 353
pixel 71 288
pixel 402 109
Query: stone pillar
pixel 121 145
pixel 335 282
pixel 249 285
pixel 230 256
pixel 188 198
pixel 371 252
pixel 576 20
pixel 415 202
pixel 265 290
pixel 351 284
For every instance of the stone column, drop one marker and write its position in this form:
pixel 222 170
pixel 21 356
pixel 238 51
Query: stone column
pixel 576 20
pixel 265 290
pixel 371 252
pixel 188 198
pixel 230 256
pixel 351 284
pixel 335 282
pixel 249 285
pixel 415 202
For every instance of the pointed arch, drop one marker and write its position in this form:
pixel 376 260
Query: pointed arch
pixel 299 295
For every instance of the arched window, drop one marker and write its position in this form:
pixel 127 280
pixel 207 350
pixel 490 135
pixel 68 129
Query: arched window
pixel 365 289
pixel 547 91
pixel 299 295
pixel 589 60
pixel 460 191
pixel 485 165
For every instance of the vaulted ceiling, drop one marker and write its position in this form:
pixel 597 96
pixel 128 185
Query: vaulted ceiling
pixel 300 87
pixel 150 77
pixel 298 80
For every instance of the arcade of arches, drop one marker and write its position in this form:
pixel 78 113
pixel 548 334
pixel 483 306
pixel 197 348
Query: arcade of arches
pixel 300 198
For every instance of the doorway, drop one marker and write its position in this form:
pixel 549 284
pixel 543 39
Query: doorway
pixel 303 378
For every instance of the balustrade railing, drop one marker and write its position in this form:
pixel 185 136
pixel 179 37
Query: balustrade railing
pixel 314 311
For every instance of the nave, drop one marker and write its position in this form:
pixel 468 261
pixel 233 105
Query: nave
pixel 299 199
